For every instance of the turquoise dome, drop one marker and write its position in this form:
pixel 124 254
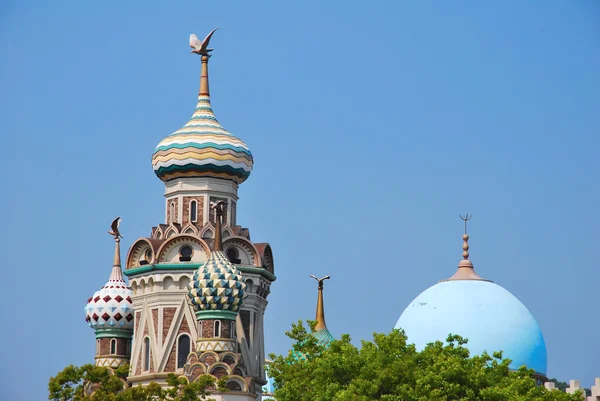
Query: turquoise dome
pixel 490 317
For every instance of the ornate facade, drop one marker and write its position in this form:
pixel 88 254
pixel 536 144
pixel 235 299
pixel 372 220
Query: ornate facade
pixel 179 322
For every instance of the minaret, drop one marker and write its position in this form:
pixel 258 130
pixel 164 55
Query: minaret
pixel 201 164
pixel 110 313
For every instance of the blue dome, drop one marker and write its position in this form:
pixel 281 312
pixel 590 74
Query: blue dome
pixel 490 317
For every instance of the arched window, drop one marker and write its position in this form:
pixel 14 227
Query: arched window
pixel 193 211
pixel 146 257
pixel 172 213
pixel 183 350
pixel 128 347
pixel 233 255
pixel 185 253
pixel 98 347
pixel 113 346
pixel 217 329
pixel 146 354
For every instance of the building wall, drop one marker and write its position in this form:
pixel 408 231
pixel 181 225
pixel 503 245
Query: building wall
pixel 162 315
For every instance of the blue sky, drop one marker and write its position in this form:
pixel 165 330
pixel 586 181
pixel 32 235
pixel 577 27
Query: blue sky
pixel 373 125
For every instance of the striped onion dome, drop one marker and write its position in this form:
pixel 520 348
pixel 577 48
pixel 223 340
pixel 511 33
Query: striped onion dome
pixel 202 148
pixel 217 285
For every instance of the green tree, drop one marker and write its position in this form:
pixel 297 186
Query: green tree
pixel 93 383
pixel 391 369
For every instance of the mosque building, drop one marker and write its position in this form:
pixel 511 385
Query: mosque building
pixel 198 284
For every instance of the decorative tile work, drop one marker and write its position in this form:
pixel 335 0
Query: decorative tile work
pixel 202 148
pixel 110 361
pixel 111 306
pixel 324 339
pixel 217 285
pixel 215 345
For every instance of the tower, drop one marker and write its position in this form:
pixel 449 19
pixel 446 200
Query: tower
pixel 200 164
pixel 110 313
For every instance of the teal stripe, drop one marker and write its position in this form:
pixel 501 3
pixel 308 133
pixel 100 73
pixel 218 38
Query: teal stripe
pixel 193 266
pixel 204 145
pixel 209 167
pixel 204 118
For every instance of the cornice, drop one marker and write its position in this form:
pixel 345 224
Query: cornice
pixel 136 271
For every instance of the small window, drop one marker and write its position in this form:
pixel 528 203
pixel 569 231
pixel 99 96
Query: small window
pixel 233 255
pixel 128 348
pixel 147 257
pixel 113 346
pixel 193 211
pixel 185 253
pixel 233 220
pixel 98 347
pixel 146 354
pixel 232 330
pixel 172 213
pixel 183 350
pixel 217 328
pixel 200 334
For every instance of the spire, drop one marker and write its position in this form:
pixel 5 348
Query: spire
pixel 204 90
pixel 116 274
pixel 201 48
pixel 465 247
pixel 466 270
pixel 320 315
pixel 219 207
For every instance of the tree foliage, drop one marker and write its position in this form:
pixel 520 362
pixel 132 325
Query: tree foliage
pixel 391 369
pixel 94 383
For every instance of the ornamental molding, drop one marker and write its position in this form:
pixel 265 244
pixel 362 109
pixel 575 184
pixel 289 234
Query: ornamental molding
pixel 180 239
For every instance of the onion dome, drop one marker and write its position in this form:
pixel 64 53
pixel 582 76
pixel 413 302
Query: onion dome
pixel 217 285
pixel 321 332
pixel 202 147
pixel 489 316
pixel 111 306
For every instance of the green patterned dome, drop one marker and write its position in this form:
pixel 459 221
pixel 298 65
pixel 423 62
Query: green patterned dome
pixel 324 339
pixel 320 332
pixel 217 285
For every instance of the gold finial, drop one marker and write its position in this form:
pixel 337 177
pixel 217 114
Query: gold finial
pixel 465 246
pixel 116 274
pixel 320 318
pixel 201 48
pixel 465 271
pixel 219 207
